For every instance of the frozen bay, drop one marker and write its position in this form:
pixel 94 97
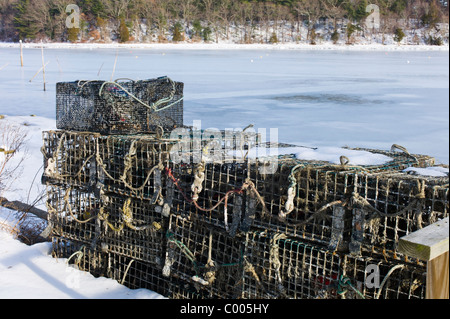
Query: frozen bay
pixel 315 98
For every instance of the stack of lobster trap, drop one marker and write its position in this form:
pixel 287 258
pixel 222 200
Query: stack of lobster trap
pixel 136 196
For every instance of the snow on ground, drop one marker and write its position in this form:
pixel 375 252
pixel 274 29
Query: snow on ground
pixel 231 46
pixel 29 272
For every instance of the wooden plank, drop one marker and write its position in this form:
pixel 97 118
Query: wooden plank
pixel 426 243
pixel 438 278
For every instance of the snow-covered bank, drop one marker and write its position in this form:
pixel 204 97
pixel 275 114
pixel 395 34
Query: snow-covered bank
pixel 230 46
pixel 29 272
pixel 27 186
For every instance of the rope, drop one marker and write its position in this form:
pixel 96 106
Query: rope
pixel 79 253
pixel 377 296
pixel 184 249
pixel 153 106
pixel 404 150
pixel 127 167
pixel 126 271
pixel 128 219
pixel 199 177
pixel 345 283
pixel 274 259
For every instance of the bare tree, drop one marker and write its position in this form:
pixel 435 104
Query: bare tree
pixel 116 8
pixel 334 9
pixel 188 11
pixel 12 154
pixel 312 10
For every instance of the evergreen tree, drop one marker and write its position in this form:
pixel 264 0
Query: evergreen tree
pixel 335 37
pixel 207 34
pixel 351 29
pixel 398 6
pixel 432 16
pixel 273 38
pixel 399 35
pixel 197 28
pixel 25 29
pixel 72 34
pixel 124 33
pixel 177 35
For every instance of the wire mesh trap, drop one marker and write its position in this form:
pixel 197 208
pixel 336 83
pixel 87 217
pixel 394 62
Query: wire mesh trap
pixel 276 267
pixel 310 200
pixel 279 267
pixel 129 165
pixel 72 214
pixel 132 273
pixel 204 257
pixel 69 158
pixel 382 278
pixel 389 206
pixel 119 107
pixel 112 223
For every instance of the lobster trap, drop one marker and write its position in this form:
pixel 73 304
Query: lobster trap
pixel 386 207
pixel 113 223
pixel 69 158
pixel 119 107
pixel 131 165
pixel 279 267
pixel 206 258
pixel 73 214
pixel 382 278
pixel 276 267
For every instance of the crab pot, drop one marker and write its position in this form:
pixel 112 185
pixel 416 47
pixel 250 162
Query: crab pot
pixel 204 258
pixel 72 214
pixel 134 229
pixel 136 274
pixel 81 255
pixel 133 165
pixel 220 203
pixel 121 107
pixel 384 278
pixel 276 267
pixel 315 193
pixel 69 158
pixel 392 205
pixel 132 273
pixel 315 201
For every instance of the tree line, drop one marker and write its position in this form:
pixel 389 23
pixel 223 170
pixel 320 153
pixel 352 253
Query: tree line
pixel 244 21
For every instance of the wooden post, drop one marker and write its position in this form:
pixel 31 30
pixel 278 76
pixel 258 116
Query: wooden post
pixel 115 63
pixel 43 64
pixel 21 53
pixel 430 244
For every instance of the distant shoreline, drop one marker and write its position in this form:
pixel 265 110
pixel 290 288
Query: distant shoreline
pixel 229 46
